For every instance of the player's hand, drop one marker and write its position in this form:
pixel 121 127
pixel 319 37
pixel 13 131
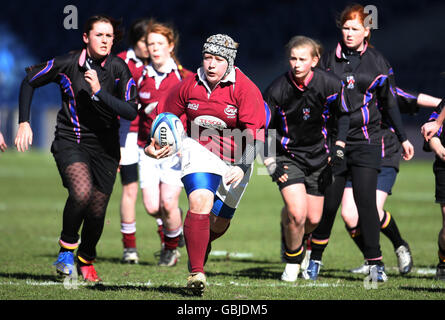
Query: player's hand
pixel 408 150
pixel 153 150
pixel 277 171
pixel 24 136
pixel 429 129
pixel 3 145
pixel 234 175
pixel 93 80
pixel 337 158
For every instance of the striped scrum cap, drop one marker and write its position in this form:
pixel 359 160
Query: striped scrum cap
pixel 222 45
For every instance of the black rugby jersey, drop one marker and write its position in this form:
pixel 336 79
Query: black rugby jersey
pixel 434 115
pixel 367 81
pixel 391 147
pixel 300 115
pixel 84 116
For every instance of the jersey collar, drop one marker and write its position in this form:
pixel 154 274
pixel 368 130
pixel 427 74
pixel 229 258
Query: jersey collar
pixel 132 56
pixel 170 66
pixel 231 77
pixel 83 58
pixel 339 52
pixel 304 86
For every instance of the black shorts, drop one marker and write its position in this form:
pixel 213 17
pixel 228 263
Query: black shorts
pixel 315 180
pixel 103 166
pixel 439 174
pixel 129 173
pixel 364 155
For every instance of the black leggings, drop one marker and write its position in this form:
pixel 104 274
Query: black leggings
pixel 84 204
pixel 364 184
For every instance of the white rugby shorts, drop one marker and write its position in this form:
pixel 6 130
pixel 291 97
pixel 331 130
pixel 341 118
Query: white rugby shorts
pixel 196 158
pixel 154 171
pixel 130 152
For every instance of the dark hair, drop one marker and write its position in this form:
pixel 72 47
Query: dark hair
pixel 118 33
pixel 137 30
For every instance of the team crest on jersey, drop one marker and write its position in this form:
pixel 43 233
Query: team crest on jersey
pixel 145 95
pixel 230 111
pixel 306 113
pixel 350 81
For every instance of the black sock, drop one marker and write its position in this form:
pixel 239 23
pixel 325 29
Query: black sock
pixel 389 228
pixel 356 236
pixel 317 248
pixel 441 255
pixel 294 256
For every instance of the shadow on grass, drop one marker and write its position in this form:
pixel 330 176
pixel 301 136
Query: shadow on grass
pixel 114 260
pixel 423 289
pixel 29 276
pixel 161 289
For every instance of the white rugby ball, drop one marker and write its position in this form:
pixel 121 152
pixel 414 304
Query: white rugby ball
pixel 167 129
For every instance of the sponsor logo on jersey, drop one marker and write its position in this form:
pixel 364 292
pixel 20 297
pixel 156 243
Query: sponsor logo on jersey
pixel 145 95
pixel 306 113
pixel 210 122
pixel 193 106
pixel 230 111
pixel 350 81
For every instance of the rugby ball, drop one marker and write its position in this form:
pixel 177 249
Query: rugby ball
pixel 167 129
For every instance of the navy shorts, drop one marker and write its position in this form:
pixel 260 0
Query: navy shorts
pixel 385 180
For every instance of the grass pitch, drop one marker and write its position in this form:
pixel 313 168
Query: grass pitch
pixel 245 264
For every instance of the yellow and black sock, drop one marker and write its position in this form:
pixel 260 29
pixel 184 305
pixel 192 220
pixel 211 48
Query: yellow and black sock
pixel 356 236
pixel 389 228
pixel 294 256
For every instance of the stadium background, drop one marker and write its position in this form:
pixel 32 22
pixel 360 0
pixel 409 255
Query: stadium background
pixel 409 35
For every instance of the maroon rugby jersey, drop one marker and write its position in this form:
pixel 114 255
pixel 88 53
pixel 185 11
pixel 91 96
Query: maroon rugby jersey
pixel 235 103
pixel 136 67
pixel 151 93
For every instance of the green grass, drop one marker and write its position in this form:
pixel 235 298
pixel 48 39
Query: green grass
pixel 31 204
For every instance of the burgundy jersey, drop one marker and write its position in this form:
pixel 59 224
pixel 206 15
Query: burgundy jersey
pixel 235 103
pixel 153 88
pixel 136 67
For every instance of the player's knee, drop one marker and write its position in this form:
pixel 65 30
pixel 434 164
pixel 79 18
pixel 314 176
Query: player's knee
pixel 152 209
pixel 312 221
pixel 130 191
pixel 81 198
pixel 296 217
pixel 201 201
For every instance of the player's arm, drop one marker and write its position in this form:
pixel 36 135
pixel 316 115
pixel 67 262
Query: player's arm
pixel 36 76
pixel 388 100
pixel 251 119
pixel 173 103
pixel 3 145
pixel 437 147
pixel 430 128
pixel 341 107
pixel 276 171
pixel 124 104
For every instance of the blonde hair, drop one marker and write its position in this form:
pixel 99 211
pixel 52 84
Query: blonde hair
pixel 299 41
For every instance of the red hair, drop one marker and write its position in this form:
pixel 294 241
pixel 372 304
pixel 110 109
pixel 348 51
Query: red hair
pixel 352 12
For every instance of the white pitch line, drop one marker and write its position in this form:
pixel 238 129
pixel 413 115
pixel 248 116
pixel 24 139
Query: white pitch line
pixel 231 254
